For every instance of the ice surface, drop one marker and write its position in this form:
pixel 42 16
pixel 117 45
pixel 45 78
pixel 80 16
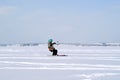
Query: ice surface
pixel 82 63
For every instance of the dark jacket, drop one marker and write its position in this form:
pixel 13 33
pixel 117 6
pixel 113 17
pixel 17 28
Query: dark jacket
pixel 50 46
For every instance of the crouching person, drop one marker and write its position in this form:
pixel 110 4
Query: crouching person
pixel 51 47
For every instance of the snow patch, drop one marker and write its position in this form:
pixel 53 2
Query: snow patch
pixel 94 75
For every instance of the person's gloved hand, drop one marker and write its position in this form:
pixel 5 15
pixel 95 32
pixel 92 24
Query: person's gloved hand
pixel 54 42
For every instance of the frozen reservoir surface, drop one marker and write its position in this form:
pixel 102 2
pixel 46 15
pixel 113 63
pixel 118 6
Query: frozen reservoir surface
pixel 82 63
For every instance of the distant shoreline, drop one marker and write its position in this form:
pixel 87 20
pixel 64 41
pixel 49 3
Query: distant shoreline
pixel 76 44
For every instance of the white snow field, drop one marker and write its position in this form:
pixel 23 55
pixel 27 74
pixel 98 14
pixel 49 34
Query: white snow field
pixel 82 63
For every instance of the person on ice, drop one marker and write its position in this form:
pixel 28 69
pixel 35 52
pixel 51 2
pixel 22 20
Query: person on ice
pixel 51 47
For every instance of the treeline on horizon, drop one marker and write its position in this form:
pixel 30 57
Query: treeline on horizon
pixel 76 44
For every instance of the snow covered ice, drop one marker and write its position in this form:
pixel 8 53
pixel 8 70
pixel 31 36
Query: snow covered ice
pixel 82 63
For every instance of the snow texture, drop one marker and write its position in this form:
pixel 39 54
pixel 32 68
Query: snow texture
pixel 82 63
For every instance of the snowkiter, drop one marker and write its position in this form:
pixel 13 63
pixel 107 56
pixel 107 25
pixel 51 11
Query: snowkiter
pixel 51 47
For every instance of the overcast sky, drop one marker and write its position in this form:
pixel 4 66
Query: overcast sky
pixel 83 21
